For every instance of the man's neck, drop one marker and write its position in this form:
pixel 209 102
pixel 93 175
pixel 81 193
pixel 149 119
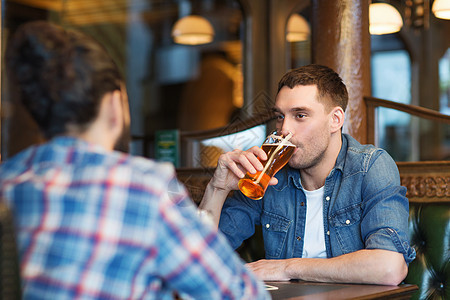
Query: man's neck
pixel 93 135
pixel 107 126
pixel 314 178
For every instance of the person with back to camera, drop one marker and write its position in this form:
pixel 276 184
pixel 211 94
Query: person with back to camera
pixel 336 212
pixel 94 223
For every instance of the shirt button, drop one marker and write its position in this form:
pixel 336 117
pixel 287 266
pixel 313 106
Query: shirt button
pixel 327 198
pixel 302 203
pixel 267 225
pixel 298 238
pixel 328 232
pixel 347 222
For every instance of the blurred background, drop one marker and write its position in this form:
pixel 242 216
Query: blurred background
pixel 229 67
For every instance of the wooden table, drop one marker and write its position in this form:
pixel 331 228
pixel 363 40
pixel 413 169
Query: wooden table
pixel 331 291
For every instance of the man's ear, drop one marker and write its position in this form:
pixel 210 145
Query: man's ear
pixel 337 117
pixel 108 125
pixel 112 113
pixel 116 108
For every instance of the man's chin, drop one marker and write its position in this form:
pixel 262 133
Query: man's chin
pixel 297 163
pixel 294 164
pixel 295 160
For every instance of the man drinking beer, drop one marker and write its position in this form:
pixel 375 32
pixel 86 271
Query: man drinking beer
pixel 336 212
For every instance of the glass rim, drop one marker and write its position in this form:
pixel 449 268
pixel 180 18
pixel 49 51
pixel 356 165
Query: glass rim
pixel 277 137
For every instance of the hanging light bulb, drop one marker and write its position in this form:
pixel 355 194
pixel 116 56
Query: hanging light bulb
pixel 441 9
pixel 297 29
pixel 384 19
pixel 192 30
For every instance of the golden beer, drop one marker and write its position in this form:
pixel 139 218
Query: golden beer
pixel 255 185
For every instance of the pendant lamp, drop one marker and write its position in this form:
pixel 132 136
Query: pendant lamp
pixel 441 9
pixel 384 19
pixel 192 30
pixel 297 29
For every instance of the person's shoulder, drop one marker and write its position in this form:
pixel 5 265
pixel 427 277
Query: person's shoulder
pixel 364 155
pixel 354 146
pixel 365 151
pixel 16 162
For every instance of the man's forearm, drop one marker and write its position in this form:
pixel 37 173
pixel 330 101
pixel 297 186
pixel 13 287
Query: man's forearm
pixel 213 201
pixel 363 266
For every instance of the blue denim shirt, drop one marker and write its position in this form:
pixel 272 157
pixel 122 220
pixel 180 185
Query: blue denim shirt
pixel 364 207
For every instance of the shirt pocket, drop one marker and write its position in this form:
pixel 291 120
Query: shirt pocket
pixel 275 228
pixel 346 224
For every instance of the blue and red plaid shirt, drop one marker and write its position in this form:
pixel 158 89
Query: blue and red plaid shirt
pixel 106 225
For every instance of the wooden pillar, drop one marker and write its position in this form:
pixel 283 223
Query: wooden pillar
pixel 255 51
pixel 341 41
pixel 279 13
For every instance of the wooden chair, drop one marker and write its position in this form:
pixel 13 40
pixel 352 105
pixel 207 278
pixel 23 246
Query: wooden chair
pixel 190 141
pixel 197 175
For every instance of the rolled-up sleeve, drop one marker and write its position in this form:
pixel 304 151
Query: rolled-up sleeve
pixel 385 208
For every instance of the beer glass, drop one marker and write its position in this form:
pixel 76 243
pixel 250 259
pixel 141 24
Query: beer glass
pixel 279 150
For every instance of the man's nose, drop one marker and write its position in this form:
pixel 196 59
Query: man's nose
pixel 286 128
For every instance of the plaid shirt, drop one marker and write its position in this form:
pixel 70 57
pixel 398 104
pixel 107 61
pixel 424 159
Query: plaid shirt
pixel 97 224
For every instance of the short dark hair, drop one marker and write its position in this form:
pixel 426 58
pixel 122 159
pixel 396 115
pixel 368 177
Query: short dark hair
pixel 330 86
pixel 59 75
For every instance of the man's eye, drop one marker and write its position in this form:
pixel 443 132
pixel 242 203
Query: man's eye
pixel 300 116
pixel 280 117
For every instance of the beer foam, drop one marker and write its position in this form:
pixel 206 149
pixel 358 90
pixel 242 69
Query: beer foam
pixel 279 144
pixel 279 138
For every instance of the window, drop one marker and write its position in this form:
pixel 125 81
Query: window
pixel 444 83
pixel 391 80
pixel 444 97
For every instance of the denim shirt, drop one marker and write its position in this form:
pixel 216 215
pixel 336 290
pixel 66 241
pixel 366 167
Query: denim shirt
pixel 364 207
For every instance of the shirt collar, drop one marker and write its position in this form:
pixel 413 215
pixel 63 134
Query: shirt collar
pixel 340 161
pixel 71 141
pixel 294 174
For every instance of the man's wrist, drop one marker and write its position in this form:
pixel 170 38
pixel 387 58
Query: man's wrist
pixel 292 268
pixel 213 200
pixel 216 192
pixel 217 188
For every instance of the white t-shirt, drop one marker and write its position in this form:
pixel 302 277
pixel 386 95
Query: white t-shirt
pixel 314 241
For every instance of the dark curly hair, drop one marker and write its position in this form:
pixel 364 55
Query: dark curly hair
pixel 331 88
pixel 59 75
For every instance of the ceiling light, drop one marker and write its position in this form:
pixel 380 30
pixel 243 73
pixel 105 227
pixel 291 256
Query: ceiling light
pixel 192 30
pixel 384 19
pixel 297 29
pixel 441 9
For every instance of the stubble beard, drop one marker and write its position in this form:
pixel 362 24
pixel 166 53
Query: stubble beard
pixel 309 160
